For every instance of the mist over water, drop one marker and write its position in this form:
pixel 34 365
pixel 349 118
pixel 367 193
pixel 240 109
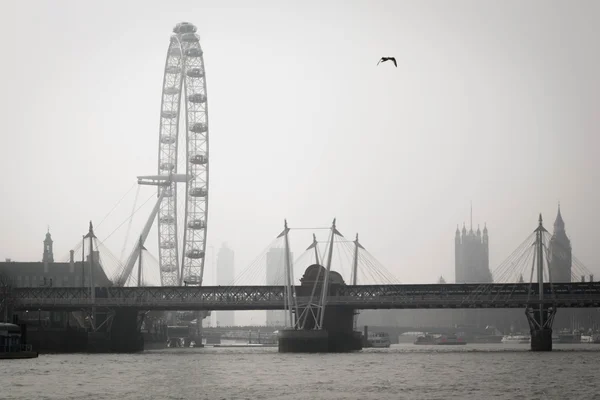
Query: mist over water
pixel 402 372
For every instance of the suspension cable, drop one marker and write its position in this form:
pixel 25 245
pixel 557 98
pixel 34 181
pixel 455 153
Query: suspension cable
pixel 127 219
pixel 137 193
pixel 116 205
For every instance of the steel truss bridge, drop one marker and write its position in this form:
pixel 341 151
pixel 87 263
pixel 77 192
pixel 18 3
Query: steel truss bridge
pixel 214 298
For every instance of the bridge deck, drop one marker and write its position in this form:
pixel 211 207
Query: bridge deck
pixel 272 297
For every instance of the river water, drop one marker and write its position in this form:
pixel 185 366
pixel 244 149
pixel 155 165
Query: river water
pixel 403 371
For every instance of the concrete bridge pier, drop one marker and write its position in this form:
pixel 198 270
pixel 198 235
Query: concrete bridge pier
pixel 541 340
pixel 125 334
pixel 337 335
pixel 540 328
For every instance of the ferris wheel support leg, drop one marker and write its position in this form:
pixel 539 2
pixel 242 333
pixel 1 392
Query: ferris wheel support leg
pixel 136 251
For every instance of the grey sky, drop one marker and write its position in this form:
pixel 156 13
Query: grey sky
pixel 494 102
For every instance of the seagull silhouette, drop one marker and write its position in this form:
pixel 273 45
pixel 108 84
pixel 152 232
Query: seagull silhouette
pixel 384 59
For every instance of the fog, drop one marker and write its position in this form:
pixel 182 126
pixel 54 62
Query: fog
pixel 494 103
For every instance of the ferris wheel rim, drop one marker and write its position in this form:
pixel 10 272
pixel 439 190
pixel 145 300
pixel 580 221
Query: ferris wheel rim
pixel 184 52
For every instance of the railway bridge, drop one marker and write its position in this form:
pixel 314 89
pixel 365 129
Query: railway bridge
pixel 216 298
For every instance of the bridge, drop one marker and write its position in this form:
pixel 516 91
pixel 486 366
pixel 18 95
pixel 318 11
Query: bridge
pixel 121 308
pixel 438 296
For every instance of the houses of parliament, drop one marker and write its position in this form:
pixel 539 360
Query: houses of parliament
pixel 472 256
pixel 472 260
pixel 472 265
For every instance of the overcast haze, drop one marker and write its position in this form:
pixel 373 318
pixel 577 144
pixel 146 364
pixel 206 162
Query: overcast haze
pixel 492 102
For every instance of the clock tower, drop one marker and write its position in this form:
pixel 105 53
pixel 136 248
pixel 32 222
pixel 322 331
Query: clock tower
pixel 559 259
pixel 48 255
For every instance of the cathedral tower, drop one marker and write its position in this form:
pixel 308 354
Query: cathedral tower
pixel 559 258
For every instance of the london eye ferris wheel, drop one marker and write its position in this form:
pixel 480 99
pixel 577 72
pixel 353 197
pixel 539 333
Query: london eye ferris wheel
pixel 183 153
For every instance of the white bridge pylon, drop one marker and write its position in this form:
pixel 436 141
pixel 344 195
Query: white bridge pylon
pixel 311 314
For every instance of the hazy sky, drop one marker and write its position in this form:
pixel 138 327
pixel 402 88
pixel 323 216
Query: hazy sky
pixel 492 102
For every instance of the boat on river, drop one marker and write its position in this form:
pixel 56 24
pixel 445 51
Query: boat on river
pixel 12 343
pixel 378 340
pixel 516 339
pixel 425 339
pixel 450 340
pixel 441 340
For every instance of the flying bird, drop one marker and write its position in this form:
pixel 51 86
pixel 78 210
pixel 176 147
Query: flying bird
pixel 384 59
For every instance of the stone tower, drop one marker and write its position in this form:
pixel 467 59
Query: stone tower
pixel 48 256
pixel 559 258
pixel 471 256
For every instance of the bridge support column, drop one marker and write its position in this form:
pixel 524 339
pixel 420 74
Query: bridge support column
pixel 540 327
pixel 125 335
pixel 336 336
pixel 541 316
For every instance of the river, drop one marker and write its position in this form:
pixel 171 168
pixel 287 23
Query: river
pixel 404 371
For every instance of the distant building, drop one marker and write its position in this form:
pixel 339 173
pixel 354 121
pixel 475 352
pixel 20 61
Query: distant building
pixel 48 255
pixel 275 276
pixel 559 254
pixel 54 274
pixel 560 261
pixel 225 277
pixel 471 256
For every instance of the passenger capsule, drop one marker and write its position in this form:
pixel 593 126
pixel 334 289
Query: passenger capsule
pixel 173 69
pixel 189 37
pixel 184 27
pixel 191 279
pixel 199 127
pixel 167 139
pixel 197 98
pixel 168 268
pixel 198 192
pixel 195 73
pixel 171 90
pixel 169 114
pixel 166 166
pixel 167 245
pixel 193 52
pixel 167 219
pixel 195 253
pixel 198 159
pixel 196 224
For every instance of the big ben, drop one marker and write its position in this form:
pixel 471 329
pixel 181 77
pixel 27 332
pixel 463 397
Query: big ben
pixel 559 259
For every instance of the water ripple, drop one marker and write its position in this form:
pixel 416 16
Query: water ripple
pixel 401 372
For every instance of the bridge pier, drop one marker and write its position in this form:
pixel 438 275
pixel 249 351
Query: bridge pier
pixel 125 334
pixel 541 340
pixel 337 335
pixel 303 341
pixel 540 328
